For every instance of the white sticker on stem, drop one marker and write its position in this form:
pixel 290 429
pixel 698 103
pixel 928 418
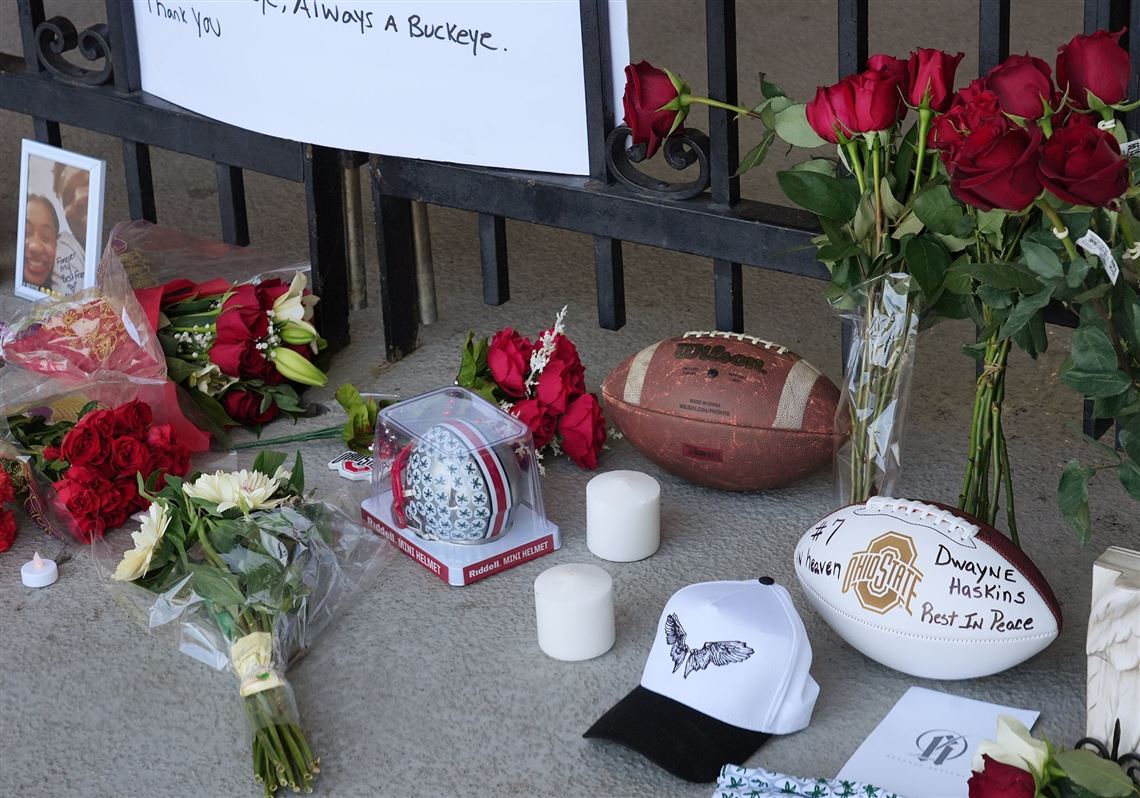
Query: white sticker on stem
pixel 1093 244
pixel 1130 148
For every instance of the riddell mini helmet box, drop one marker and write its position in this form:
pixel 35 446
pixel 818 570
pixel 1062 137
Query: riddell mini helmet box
pixel 455 486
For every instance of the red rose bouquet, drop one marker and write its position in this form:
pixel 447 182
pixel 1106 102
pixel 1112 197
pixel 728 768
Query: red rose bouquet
pixel 7 497
pixel 542 384
pixel 242 350
pixel 94 463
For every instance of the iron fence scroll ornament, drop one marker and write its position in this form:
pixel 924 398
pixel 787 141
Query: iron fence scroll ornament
pixel 1130 762
pixel 57 35
pixel 682 149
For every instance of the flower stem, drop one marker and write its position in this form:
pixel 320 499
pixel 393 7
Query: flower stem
pixel 852 148
pixel 1058 226
pixel 924 117
pixel 876 168
pixel 687 99
pixel 324 433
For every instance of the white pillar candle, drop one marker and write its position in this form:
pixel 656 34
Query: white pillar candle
pixel 623 515
pixel 38 572
pixel 574 607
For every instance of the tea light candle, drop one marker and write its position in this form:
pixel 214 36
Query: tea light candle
pixel 38 572
pixel 574 606
pixel 623 516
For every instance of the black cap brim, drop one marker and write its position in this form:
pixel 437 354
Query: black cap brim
pixel 685 742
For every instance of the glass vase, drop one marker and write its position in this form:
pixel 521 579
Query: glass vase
pixel 883 318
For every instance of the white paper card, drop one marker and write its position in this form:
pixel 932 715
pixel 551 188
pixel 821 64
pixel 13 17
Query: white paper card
pixel 1093 244
pixel 925 745
pixel 481 82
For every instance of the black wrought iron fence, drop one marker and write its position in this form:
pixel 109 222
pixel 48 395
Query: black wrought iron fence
pixel 716 223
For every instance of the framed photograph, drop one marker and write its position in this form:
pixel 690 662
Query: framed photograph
pixel 60 230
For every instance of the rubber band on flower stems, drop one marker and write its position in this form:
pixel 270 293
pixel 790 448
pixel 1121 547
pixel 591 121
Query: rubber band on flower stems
pixel 1133 252
pixel 1106 124
pixel 1061 234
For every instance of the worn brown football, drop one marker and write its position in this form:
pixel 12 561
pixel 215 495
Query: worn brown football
pixel 725 410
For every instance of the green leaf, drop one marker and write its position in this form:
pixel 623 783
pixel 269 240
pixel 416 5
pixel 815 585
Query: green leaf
pixel 976 350
pixel 347 396
pixel 1024 310
pixel 937 209
pixel 218 587
pixel 213 409
pixel 825 166
pixel 297 479
pixel 957 281
pixel 1129 474
pixel 178 369
pixel 1113 406
pixel 757 154
pixel 1073 498
pixel 769 89
pixel 267 462
pixel 770 108
pixel 905 160
pixel 1096 384
pixel 1005 276
pixel 892 206
pixel 792 126
pixel 953 306
pixel 1092 350
pixel 1099 776
pixel 1095 292
pixel 1077 272
pixel 910 225
pixel 1042 260
pixel 822 195
pixel 1130 438
pixel 995 297
pixel 928 261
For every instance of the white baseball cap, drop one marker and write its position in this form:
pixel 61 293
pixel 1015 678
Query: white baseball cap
pixel 728 669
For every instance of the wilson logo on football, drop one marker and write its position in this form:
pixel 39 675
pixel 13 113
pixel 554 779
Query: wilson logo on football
pixel 884 577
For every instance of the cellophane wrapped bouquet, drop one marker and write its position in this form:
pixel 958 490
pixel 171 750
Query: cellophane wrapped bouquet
pixel 247 572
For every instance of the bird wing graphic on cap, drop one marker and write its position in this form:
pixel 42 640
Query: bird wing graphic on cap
pixel 724 652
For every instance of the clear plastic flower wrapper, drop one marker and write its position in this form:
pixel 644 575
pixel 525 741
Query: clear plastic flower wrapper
pixel 454 468
pixel 245 574
pixel 884 321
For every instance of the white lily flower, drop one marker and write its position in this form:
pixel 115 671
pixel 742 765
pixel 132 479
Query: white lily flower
pixel 1014 746
pixel 246 490
pixel 210 380
pixel 146 538
pixel 294 305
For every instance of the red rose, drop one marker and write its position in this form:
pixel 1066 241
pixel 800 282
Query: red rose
pixel 82 445
pixel 541 422
pixel 7 529
pixel 508 357
pixel 51 452
pixel 128 455
pixel 254 365
pixel 102 422
pixel 878 99
pixel 178 460
pixel 556 385
pixel 1083 165
pixel 242 316
pixel 583 431
pixel 127 496
pixel 930 76
pixel 1023 85
pixel 244 407
pixel 647 89
pixel 160 436
pixel 972 109
pixel 999 780
pixel 895 67
pixel 80 501
pixel 1095 64
pixel 132 418
pixel 227 357
pixel 268 291
pixel 114 519
pixel 89 477
pixel 832 111
pixel 565 352
pixel 995 169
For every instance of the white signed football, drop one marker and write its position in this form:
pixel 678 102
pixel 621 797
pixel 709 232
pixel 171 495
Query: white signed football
pixel 926 589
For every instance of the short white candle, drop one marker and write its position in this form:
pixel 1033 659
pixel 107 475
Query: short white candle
pixel 38 572
pixel 623 515
pixel 574 607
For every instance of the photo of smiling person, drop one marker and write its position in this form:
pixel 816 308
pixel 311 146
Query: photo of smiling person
pixel 40 237
pixel 61 221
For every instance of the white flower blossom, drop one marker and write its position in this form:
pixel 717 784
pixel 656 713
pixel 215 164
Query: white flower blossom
pixel 147 537
pixel 1014 746
pixel 245 490
pixel 545 349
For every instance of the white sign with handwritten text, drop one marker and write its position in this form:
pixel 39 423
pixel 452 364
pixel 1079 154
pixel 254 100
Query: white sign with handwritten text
pixel 485 82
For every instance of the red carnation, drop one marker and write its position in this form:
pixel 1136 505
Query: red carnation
pixel 1095 64
pixel 508 357
pixel 102 422
pixel 83 445
pixel 128 455
pixel 7 489
pixel 583 431
pixel 7 529
pixel 541 422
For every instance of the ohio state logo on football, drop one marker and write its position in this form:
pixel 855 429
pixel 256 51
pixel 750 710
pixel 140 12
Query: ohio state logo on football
pixel 884 577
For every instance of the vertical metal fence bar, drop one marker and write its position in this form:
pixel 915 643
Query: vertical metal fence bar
pixel 395 243
pixel 724 141
pixel 324 197
pixel 1108 15
pixel 31 15
pixel 993 34
pixel 136 156
pixel 609 268
pixel 853 52
pixel 231 204
pixel 493 255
